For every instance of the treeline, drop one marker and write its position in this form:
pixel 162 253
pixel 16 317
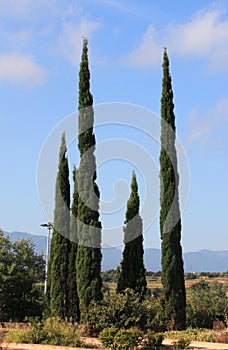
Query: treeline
pixel 74 271
pixel 75 285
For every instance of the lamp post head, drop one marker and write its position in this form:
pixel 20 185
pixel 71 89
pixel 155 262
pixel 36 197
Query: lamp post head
pixel 47 224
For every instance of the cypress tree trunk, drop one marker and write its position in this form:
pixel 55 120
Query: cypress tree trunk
pixel 58 263
pixel 89 227
pixel 73 300
pixel 170 221
pixel 131 273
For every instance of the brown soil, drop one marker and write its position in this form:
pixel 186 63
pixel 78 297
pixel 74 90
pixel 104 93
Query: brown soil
pixel 3 333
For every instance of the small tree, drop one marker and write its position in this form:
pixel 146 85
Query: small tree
pixel 131 272
pixel 21 269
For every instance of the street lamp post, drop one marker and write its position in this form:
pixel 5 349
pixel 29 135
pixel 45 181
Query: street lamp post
pixel 49 226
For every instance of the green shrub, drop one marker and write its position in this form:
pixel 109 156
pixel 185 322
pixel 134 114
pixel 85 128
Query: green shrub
pixel 107 336
pixel 17 336
pixel 155 339
pixel 192 334
pixel 182 343
pixel 151 340
pixel 120 311
pixel 111 338
pixel 203 302
pixel 205 335
pixel 53 332
pixel 126 338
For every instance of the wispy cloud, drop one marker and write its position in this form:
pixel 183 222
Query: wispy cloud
pixel 205 36
pixel 70 38
pixel 209 128
pixel 21 69
pixel 58 26
pixel 148 53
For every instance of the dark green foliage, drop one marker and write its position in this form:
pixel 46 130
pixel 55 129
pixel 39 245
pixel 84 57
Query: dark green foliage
pixel 88 263
pixel 131 272
pixel 57 291
pixel 73 300
pixel 170 222
pixel 204 302
pixel 123 310
pixel 20 270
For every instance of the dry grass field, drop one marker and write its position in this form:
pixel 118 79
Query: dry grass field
pixel 155 281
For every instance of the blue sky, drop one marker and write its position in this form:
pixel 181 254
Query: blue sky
pixel 39 61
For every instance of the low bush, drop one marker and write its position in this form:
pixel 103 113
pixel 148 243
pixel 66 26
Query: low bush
pixel 192 334
pixel 127 338
pixel 17 336
pixel 151 340
pixel 132 338
pixel 183 342
pixel 53 332
pixel 205 335
pixel 107 336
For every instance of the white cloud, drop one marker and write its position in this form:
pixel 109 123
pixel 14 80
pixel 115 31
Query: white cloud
pixel 148 53
pixel 209 128
pixel 204 36
pixel 57 24
pixel 70 39
pixel 201 35
pixel 21 69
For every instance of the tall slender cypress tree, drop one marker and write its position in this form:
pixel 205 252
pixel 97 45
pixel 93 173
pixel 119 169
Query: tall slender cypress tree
pixel 170 218
pixel 58 263
pixel 89 227
pixel 131 273
pixel 73 300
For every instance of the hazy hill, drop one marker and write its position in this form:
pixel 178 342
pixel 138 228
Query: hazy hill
pixel 200 261
pixel 39 241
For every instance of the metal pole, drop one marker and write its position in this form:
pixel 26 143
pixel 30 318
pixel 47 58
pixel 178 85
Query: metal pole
pixel 46 264
pixel 49 226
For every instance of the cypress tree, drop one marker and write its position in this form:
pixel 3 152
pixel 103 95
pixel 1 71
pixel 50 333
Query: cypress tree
pixel 174 297
pixel 89 227
pixel 131 272
pixel 73 300
pixel 57 297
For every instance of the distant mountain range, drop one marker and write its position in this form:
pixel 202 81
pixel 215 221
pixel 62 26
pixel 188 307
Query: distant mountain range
pixel 200 261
